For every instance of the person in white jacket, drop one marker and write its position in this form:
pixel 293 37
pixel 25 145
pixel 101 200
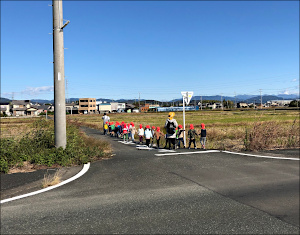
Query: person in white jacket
pixel 148 135
pixel 141 133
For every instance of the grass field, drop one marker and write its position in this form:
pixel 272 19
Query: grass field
pixel 230 130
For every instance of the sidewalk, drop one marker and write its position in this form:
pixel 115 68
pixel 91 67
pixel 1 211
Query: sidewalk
pixel 21 183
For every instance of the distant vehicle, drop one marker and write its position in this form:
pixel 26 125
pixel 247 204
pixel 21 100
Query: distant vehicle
pixel 121 111
pixel 135 111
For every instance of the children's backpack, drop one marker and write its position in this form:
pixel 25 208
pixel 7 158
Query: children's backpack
pixel 171 128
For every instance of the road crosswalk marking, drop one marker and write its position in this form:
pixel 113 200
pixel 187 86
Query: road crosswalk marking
pixel 185 153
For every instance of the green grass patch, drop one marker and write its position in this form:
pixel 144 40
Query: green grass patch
pixel 37 147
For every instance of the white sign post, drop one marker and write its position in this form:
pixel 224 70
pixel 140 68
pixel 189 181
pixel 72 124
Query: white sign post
pixel 186 97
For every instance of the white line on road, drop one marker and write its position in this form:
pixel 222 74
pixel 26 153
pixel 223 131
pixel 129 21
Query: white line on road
pixel 252 155
pixel 82 172
pixel 209 151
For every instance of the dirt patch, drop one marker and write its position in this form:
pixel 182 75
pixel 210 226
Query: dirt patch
pixel 28 167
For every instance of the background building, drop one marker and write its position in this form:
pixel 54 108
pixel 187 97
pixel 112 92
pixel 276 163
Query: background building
pixel 87 105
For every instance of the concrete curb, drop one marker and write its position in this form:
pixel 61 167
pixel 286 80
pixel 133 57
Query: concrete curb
pixel 82 172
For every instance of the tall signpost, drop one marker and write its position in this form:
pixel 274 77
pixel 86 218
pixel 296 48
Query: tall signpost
pixel 186 98
pixel 59 75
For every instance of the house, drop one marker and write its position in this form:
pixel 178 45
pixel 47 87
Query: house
pixel 72 108
pixel 242 105
pixel 19 107
pixel 104 108
pixel 5 108
pixel 212 106
pixel 145 108
pixel 87 105
pixel 129 108
pixel 115 106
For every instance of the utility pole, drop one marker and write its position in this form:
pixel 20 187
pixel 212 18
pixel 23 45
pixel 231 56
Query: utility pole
pixel 260 99
pixel 221 101
pixel 234 99
pixel 139 100
pixel 201 102
pixel 59 75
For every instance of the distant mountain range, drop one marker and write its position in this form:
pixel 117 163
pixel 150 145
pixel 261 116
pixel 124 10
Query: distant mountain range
pixel 238 98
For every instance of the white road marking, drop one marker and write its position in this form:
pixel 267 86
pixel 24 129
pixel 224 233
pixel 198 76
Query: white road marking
pixel 82 172
pixel 182 153
pixel 144 148
pixel 258 156
pixel 166 151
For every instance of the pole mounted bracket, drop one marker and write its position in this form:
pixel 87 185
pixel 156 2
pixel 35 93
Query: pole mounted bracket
pixel 65 24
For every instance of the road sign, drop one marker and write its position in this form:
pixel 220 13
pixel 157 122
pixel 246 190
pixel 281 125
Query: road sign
pixel 187 96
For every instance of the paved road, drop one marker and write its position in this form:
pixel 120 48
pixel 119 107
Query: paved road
pixel 139 192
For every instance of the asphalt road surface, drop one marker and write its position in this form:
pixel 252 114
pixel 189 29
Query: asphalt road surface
pixel 140 192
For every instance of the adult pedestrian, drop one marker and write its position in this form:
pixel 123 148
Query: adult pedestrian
pixel 105 119
pixel 171 125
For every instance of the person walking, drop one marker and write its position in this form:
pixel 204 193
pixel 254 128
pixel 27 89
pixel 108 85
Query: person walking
pixel 133 131
pixel 141 133
pixel 157 136
pixel 148 135
pixel 170 126
pixel 179 136
pixel 152 131
pixel 203 136
pixel 105 128
pixel 191 136
pixel 105 119
pixel 125 132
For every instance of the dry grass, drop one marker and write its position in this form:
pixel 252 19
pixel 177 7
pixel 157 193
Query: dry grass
pixel 50 180
pixel 225 130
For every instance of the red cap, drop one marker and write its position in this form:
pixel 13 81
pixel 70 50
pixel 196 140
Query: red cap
pixel 106 123
pixel 191 126
pixel 148 127
pixel 158 128
pixel 132 124
pixel 153 127
pixel 202 125
pixel 141 126
pixel 179 126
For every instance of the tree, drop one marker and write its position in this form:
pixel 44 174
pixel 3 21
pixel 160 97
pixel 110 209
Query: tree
pixel 295 103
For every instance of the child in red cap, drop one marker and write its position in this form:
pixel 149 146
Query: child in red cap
pixel 203 136
pixel 125 132
pixel 105 127
pixel 141 133
pixel 157 136
pixel 148 135
pixel 191 136
pixel 179 136
pixel 132 131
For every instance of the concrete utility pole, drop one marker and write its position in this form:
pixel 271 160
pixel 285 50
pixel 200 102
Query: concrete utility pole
pixel 139 100
pixel 260 99
pixel 201 102
pixel 59 75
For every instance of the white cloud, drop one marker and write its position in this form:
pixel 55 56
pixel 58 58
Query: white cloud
pixel 35 91
pixel 295 80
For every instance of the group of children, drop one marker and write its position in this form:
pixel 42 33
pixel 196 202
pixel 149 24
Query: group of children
pixel 127 131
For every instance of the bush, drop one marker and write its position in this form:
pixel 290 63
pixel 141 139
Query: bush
pixel 38 147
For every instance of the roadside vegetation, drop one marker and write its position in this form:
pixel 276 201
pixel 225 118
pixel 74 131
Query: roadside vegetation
pixel 27 141
pixel 249 130
pixel 30 141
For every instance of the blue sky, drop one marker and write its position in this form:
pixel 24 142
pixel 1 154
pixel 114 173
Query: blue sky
pixel 118 49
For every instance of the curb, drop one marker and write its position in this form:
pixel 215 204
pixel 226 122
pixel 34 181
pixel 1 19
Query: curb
pixel 82 172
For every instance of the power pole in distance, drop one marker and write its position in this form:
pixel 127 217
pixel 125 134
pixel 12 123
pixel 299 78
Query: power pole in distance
pixel 260 99
pixel 59 75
